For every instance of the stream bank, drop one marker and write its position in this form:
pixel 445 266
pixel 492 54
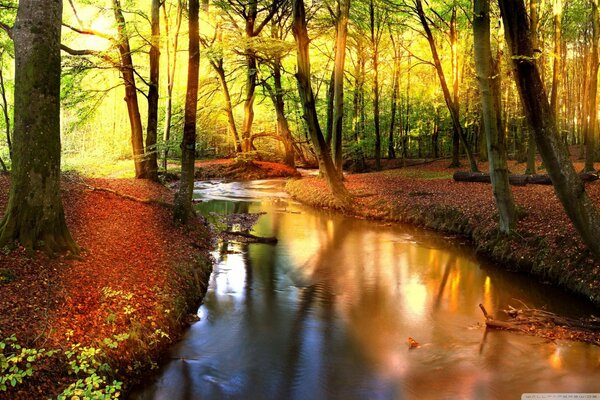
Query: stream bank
pixel 544 243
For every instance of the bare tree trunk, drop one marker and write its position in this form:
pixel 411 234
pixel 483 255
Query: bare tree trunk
pixel 152 126
pixel 338 82
pixel 534 18
pixel 334 180
pixel 557 11
pixel 394 103
pixel 183 199
pixel 5 111
pixel 592 107
pixel 34 215
pixel 171 68
pixel 490 97
pixel 568 186
pixel 133 107
pixel 452 107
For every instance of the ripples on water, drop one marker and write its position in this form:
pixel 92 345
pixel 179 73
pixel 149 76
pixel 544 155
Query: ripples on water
pixel 326 313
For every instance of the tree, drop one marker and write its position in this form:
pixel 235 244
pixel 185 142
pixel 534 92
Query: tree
pixel 152 125
pixel 322 151
pixel 489 89
pixel 591 125
pixel 568 186
pixel 343 13
pixel 171 68
pixel 183 199
pixel 35 216
pixel 451 101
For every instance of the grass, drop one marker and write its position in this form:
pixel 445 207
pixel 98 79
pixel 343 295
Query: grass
pixel 93 167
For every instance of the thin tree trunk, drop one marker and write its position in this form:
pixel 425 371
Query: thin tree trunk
pixel 334 180
pixel 557 11
pixel 375 63
pixel 183 200
pixel 34 215
pixel 171 67
pixel 592 107
pixel 490 98
pixel 133 107
pixel 338 82
pixel 452 107
pixel 394 103
pixel 152 125
pixel 5 112
pixel 534 18
pixel 568 186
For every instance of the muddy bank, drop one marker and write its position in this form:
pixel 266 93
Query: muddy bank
pixel 544 243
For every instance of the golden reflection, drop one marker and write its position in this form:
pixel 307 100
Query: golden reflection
pixel 555 359
pixel 415 298
pixel 487 293
pixel 454 290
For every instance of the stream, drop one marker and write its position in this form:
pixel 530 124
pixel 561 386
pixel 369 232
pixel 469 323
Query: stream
pixel 326 314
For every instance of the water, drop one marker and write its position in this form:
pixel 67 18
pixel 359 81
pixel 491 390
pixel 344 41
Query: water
pixel 326 314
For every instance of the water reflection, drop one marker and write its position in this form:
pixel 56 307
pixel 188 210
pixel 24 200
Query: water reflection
pixel 327 311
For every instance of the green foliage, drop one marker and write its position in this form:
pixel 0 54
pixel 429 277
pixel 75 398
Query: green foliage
pixel 85 362
pixel 6 275
pixel 18 362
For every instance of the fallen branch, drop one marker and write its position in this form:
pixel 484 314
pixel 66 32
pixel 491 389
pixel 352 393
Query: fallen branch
pixel 546 324
pixel 516 180
pixel 254 238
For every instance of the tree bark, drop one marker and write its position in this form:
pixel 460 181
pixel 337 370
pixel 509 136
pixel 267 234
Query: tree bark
pixel 452 107
pixel 567 184
pixel 394 102
pixel 183 200
pixel 133 108
pixel 490 97
pixel 152 126
pixel 592 107
pixel 171 68
pixel 338 82
pixel 322 151
pixel 557 11
pixel 34 215
pixel 375 61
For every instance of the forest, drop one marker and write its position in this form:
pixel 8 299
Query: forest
pixel 144 144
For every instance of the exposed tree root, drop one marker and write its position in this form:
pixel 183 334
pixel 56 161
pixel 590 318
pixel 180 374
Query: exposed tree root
pixel 545 324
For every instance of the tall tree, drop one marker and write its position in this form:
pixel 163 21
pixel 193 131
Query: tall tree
pixel 568 186
pixel 489 88
pixel 152 125
pixel 183 199
pixel 171 46
pixel 343 13
pixel 322 151
pixel 34 216
pixel 376 29
pixel 591 124
pixel 453 106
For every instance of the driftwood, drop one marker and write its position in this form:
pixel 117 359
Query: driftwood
pixel 253 238
pixel 546 324
pixel 517 180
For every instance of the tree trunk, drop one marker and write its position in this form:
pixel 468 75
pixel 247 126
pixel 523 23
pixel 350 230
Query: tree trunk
pixel 452 107
pixel 490 97
pixel 557 11
pixel 34 215
pixel 567 184
pixel 592 107
pixel 133 107
pixel 394 105
pixel 375 62
pixel 152 126
pixel 338 82
pixel 171 68
pixel 220 70
pixel 5 111
pixel 456 139
pixel 334 180
pixel 183 200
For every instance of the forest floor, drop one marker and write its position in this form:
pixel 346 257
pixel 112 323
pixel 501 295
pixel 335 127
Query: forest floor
pixel 122 302
pixel 544 242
